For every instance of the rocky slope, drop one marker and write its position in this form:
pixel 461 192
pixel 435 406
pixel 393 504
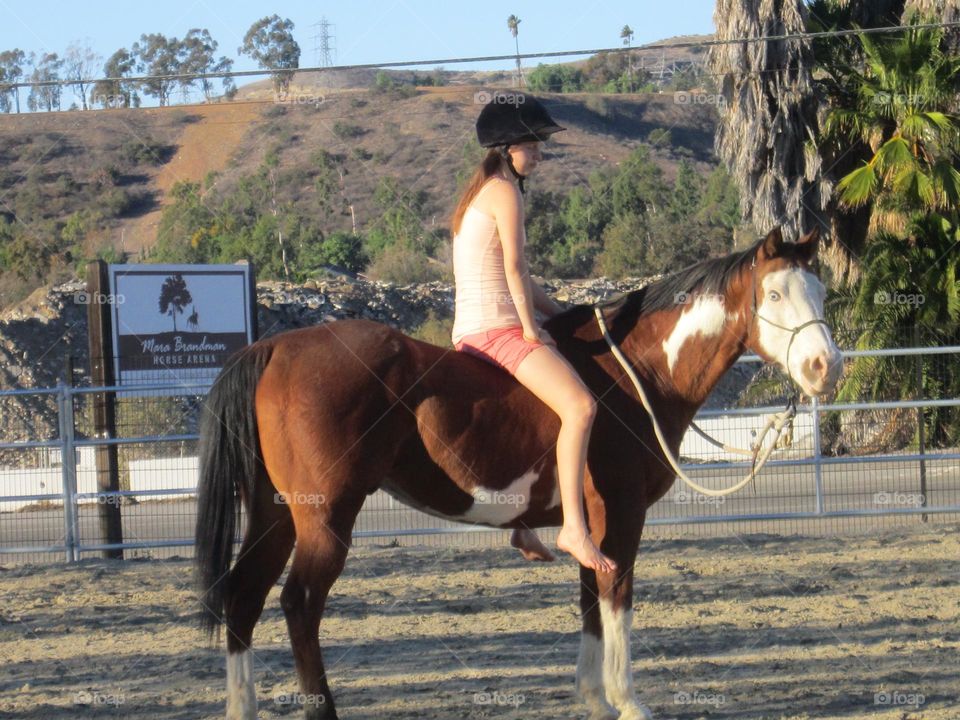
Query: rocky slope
pixel 40 333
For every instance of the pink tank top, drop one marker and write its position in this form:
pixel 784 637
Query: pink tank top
pixel 483 301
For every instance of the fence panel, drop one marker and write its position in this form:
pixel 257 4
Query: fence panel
pixel 851 467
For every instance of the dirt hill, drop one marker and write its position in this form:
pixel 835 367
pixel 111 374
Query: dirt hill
pixel 102 177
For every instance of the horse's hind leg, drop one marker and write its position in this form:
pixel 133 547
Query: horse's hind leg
pixel 324 528
pixel 262 557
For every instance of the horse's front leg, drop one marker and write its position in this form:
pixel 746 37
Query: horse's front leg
pixel 590 684
pixel 604 671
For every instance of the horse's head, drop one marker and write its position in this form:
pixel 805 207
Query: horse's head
pixel 787 307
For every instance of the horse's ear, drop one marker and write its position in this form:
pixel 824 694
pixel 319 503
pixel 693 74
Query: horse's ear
pixel 808 244
pixel 772 244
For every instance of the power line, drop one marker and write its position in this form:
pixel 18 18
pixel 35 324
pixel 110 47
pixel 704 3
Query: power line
pixel 490 58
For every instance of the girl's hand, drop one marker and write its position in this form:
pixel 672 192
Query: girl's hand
pixel 543 337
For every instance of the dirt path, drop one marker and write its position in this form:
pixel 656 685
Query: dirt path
pixel 755 627
pixel 205 145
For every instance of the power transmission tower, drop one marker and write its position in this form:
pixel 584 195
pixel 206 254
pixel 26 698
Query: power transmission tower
pixel 324 43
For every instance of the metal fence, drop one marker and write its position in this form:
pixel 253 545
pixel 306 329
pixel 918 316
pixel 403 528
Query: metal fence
pixel 851 467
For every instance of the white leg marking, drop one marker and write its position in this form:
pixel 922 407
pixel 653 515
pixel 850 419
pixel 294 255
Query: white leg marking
pixel 590 678
pixel 241 693
pixel 617 671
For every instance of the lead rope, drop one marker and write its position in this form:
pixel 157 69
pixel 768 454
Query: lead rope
pixel 778 422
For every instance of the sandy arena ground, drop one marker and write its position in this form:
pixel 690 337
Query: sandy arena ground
pixel 755 627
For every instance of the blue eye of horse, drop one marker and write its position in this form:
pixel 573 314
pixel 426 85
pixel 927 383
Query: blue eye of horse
pixel 774 295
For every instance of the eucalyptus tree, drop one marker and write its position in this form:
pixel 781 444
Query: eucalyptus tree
pixel 270 42
pixel 12 64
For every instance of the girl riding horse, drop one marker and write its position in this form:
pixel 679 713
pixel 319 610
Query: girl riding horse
pixel 496 301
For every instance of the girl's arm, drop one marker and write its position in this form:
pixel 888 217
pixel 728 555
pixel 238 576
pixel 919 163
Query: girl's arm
pixel 543 302
pixel 507 207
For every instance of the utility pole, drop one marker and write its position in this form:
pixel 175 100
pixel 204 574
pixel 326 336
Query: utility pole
pixel 324 43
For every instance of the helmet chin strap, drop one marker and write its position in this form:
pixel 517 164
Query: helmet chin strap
pixel 505 154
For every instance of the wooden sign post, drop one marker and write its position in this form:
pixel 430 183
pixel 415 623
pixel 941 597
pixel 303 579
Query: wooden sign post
pixel 104 404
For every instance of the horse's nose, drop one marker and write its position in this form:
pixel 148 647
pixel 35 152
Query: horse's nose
pixel 824 368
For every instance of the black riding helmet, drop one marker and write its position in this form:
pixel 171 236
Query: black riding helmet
pixel 511 118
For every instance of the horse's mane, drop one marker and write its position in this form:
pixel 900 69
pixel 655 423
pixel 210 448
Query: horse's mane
pixel 710 276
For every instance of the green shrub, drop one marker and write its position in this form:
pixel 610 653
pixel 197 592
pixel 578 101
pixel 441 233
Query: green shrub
pixel 398 264
pixel 345 131
pixel 435 330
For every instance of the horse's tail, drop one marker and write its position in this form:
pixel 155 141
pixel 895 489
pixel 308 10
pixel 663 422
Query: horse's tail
pixel 230 463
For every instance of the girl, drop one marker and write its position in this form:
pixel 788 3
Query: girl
pixel 496 299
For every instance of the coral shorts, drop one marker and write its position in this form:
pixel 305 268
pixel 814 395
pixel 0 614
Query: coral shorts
pixel 502 346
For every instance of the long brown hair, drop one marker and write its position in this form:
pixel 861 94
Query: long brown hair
pixel 492 164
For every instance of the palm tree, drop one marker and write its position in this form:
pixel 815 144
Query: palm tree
pixel 513 23
pixel 768 117
pixel 897 112
pixel 945 11
pixel 626 34
pixel 910 296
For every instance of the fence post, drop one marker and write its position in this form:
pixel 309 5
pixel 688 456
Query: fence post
pixel 921 429
pixel 817 466
pixel 68 469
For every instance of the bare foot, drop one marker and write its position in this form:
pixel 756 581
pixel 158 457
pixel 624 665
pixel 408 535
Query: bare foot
pixel 530 546
pixel 582 547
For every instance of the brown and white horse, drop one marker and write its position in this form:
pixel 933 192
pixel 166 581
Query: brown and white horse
pixel 304 425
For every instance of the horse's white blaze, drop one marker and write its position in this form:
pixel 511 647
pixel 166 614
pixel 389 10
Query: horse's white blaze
pixel 800 299
pixel 706 316
pixel 497 507
pixel 617 670
pixel 241 693
pixel 590 677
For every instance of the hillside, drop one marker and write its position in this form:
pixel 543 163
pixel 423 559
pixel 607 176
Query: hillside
pixel 78 184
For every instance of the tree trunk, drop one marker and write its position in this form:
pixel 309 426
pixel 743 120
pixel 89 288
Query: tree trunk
pixel 768 117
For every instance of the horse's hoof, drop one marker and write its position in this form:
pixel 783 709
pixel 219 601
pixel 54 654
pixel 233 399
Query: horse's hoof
pixel 603 715
pixel 636 712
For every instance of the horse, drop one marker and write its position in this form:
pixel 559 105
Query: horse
pixel 301 427
pixel 193 322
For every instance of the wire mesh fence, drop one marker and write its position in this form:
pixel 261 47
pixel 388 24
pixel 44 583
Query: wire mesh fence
pixel 850 467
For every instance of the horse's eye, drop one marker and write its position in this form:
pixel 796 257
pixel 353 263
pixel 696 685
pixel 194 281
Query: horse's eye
pixel 774 295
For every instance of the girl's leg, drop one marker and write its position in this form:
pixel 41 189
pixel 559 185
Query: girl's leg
pixel 530 546
pixel 548 375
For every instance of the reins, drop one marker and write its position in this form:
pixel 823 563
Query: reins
pixel 778 423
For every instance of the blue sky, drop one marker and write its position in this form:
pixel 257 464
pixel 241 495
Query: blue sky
pixel 366 31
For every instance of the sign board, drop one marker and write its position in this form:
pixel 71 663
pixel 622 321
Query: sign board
pixel 175 324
